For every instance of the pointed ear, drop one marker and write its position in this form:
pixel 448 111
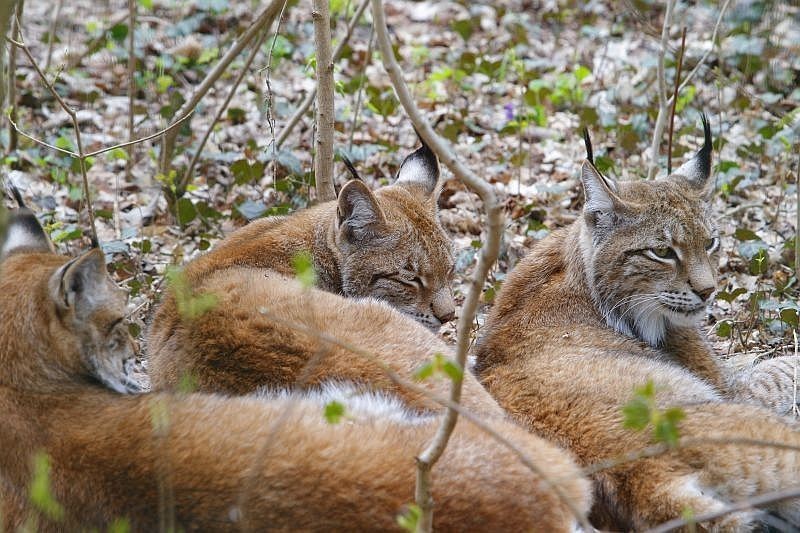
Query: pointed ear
pixel 358 214
pixel 24 233
pixel 81 284
pixel 697 170
pixel 600 192
pixel 420 169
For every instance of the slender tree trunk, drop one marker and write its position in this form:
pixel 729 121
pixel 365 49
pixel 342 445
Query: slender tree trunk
pixel 323 161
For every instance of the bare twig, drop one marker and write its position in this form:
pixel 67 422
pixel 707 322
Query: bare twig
pixel 74 116
pixel 705 56
pixel 797 219
pixel 749 503
pixel 675 100
pixel 51 38
pixel 270 97
pixel 159 133
pixel 262 21
pixel 131 84
pixel 302 109
pixel 323 159
pixel 12 76
pixel 488 255
pixel 661 89
pixel 39 141
pixel 360 92
pixel 245 68
pixel 447 403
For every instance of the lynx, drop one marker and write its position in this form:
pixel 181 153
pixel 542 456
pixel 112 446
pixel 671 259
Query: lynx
pixel 204 462
pixel 265 330
pixel 388 245
pixel 607 304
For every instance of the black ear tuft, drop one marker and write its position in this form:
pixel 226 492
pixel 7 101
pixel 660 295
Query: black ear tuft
pixel 697 170
pixel 24 234
pixel 588 142
pixel 17 196
pixel 420 168
pixel 351 168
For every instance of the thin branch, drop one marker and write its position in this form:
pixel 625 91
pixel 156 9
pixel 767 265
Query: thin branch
pixel 661 89
pixel 245 68
pixel 360 92
pixel 488 256
pixel 12 76
pixel 302 109
pixel 743 505
pixel 74 116
pixel 687 442
pixel 263 20
pixel 447 403
pixel 705 56
pixel 159 133
pixel 797 219
pixel 38 141
pixel 675 100
pixel 51 39
pixel 326 120
pixel 131 84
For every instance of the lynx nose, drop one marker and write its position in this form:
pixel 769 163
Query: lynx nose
pixel 442 305
pixel 705 293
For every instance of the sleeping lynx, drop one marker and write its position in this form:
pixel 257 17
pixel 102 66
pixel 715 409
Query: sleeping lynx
pixel 607 304
pixel 204 462
pixel 264 329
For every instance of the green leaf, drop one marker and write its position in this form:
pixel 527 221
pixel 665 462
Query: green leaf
pixel 245 172
pixel 69 234
pixel 464 28
pixel 409 519
pixel 744 234
pixel 636 414
pixel 190 305
pixel 304 271
pixel 424 372
pixel 334 412
pixel 725 329
pixel 187 383
pixel 119 32
pixel 453 370
pixel 732 295
pixel 41 495
pixel 163 83
pixel 789 315
pixel 186 211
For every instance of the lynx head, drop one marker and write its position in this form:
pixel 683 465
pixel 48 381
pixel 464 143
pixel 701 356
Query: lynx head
pixel 649 248
pixel 391 243
pixel 61 320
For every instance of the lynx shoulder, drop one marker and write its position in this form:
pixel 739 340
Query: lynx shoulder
pixel 195 461
pixel 607 304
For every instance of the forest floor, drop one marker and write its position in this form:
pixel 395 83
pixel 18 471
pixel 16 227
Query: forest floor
pixel 511 84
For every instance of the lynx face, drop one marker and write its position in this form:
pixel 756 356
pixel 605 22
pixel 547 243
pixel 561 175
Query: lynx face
pixel 393 247
pixel 83 310
pixel 650 248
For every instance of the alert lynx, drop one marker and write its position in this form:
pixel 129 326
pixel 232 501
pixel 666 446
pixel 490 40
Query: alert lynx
pixel 204 462
pixel 601 307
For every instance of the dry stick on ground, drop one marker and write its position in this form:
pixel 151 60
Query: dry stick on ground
pixel 245 68
pixel 661 88
pixel 749 503
pixel 323 160
pixel 12 78
pixel 302 109
pixel 488 255
pixel 74 117
pixel 263 20
pixel 675 100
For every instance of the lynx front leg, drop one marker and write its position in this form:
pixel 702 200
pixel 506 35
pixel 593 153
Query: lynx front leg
pixel 772 383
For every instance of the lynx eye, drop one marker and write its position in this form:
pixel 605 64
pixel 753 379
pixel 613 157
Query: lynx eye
pixel 711 244
pixel 661 253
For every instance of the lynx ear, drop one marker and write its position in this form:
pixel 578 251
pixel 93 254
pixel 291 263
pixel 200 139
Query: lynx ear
pixel 600 192
pixel 81 283
pixel 697 170
pixel 358 214
pixel 24 233
pixel 421 169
